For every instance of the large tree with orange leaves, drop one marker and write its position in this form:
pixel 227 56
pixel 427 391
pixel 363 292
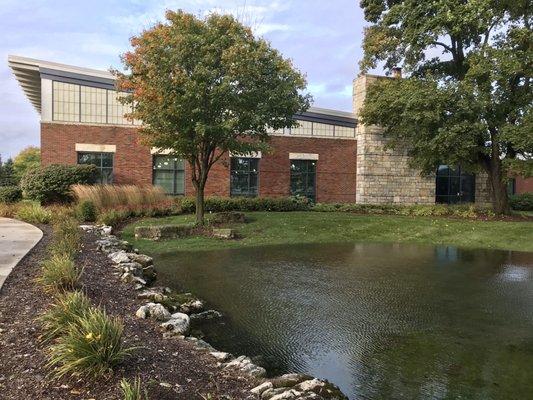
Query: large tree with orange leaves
pixel 203 87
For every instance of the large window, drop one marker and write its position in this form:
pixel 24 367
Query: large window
pixel 244 176
pixel 169 173
pixel 104 163
pixel 303 178
pixel 454 186
pixel 78 103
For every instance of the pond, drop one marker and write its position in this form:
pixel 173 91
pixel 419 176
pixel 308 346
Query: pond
pixel 381 321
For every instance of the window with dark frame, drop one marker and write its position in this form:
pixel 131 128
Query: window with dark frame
pixel 453 186
pixel 244 176
pixel 169 173
pixel 104 163
pixel 303 178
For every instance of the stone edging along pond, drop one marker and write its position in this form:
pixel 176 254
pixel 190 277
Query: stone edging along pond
pixel 175 312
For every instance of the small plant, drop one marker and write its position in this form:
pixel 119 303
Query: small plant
pixel 10 194
pixel 67 309
pixel 59 273
pixel 113 217
pixel 133 391
pixel 86 211
pixel 33 213
pixel 91 347
pixel 522 202
pixel 66 238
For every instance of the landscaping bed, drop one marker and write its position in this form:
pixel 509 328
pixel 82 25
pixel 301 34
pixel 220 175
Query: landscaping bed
pixel 169 369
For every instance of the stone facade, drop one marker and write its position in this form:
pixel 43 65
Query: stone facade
pixel 384 175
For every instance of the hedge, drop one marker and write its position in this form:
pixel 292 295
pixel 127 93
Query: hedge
pixel 10 194
pixel 219 204
pixel 522 202
pixel 51 184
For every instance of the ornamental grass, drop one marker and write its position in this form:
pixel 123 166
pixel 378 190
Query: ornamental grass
pixel 113 196
pixel 133 391
pixel 66 310
pixel 59 273
pixel 91 347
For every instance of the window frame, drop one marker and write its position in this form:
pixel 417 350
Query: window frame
pixel 100 167
pixel 174 171
pixel 306 179
pixel 248 173
pixel 454 175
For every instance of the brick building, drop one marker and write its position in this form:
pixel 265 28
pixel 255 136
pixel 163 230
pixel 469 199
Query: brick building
pixel 329 157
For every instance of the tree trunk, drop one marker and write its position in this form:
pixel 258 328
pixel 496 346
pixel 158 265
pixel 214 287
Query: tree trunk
pixel 500 199
pixel 200 204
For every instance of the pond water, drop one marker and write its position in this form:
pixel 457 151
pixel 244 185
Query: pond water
pixel 382 321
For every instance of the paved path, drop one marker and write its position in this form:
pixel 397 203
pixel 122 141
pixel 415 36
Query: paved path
pixel 16 239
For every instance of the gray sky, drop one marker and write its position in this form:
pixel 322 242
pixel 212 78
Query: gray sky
pixel 322 37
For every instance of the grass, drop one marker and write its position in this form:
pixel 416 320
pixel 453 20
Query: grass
pixel 133 391
pixel 59 272
pixel 68 307
pixel 269 228
pixel 92 346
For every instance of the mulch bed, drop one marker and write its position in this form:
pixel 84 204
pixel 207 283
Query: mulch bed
pixel 169 368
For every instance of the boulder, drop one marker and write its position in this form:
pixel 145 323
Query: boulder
pixel 288 395
pixel 245 365
pixel 221 355
pixel 192 306
pixel 223 233
pixel 226 217
pixel 155 294
pixel 258 390
pixel 289 380
pixel 206 315
pixel 142 259
pixel 149 273
pixel 163 232
pixel 200 344
pixel 119 257
pixel 153 310
pixel 178 324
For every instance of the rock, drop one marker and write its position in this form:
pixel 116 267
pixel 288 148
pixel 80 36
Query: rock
pixel 154 294
pixel 142 259
pixel 245 365
pixel 178 324
pixel 228 217
pixel 269 393
pixel 311 385
pixel 119 257
pixel 106 230
pixel 200 344
pixel 163 232
pixel 221 355
pixel 287 395
pixel 289 380
pixel 153 310
pixel 132 267
pixel 261 388
pixel 223 233
pixel 87 228
pixel 206 315
pixel 149 273
pixel 192 306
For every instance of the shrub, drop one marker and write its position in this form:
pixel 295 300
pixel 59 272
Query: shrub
pixel 33 213
pixel 59 273
pixel 221 204
pixel 522 202
pixel 112 196
pixel 113 217
pixel 10 194
pixel 133 391
pixel 66 310
pixel 86 211
pixel 92 346
pixel 52 183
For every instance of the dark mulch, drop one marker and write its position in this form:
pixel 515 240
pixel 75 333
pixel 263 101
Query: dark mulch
pixel 169 368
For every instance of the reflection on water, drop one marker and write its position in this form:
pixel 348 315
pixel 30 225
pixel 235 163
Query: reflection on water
pixel 380 320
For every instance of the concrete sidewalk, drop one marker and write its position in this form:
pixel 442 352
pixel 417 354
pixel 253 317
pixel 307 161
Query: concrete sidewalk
pixel 16 239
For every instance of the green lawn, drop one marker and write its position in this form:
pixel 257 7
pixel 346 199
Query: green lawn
pixel 267 228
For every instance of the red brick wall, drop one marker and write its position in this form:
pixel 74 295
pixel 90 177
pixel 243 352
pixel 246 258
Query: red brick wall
pixel 524 185
pixel 336 167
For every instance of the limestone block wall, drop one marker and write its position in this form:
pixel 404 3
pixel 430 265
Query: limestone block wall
pixel 384 176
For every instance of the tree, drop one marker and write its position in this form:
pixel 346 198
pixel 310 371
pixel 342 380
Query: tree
pixel 203 87
pixel 468 99
pixel 27 159
pixel 7 174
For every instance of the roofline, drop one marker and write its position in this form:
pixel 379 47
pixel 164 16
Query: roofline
pixel 30 71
